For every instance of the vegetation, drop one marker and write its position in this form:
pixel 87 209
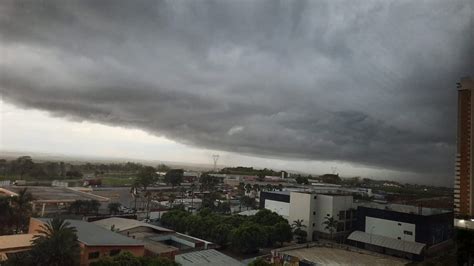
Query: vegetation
pixel 58 240
pixel 330 224
pixel 15 212
pixel 114 207
pixel 208 182
pixel 174 177
pixel 298 231
pixel 84 207
pixel 259 262
pixel 242 233
pixel 302 180
pixel 128 259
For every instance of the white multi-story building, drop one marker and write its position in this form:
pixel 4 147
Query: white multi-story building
pixel 312 209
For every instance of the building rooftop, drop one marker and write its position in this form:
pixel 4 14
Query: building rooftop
pixel 209 257
pixel 403 208
pixel 123 224
pixel 94 235
pixel 10 242
pixel 387 242
pixel 53 194
pixel 320 255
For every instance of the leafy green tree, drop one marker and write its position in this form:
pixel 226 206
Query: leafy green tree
pixel 174 177
pixel 330 224
pixel 221 234
pixel 56 244
pixel 208 182
pixel 298 231
pixel 114 207
pixel 248 188
pixel 282 232
pixel 128 259
pixel 163 168
pixel 6 216
pixel 302 180
pixel 248 238
pixel 259 262
pixel 84 207
pixel 175 219
pixel 146 177
pixel 22 207
pixel 248 201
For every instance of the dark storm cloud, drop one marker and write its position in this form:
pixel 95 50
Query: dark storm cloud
pixel 369 83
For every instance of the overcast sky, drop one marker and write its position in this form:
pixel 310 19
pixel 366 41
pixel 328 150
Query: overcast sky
pixel 367 86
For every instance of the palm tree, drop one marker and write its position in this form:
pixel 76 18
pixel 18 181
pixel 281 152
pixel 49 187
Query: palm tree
pixel 298 231
pixel 330 224
pixel 58 240
pixel 21 208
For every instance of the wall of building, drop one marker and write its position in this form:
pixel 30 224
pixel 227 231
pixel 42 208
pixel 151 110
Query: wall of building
pixel 104 251
pixel 302 206
pixel 282 208
pixel 331 206
pixel 429 229
pixel 389 228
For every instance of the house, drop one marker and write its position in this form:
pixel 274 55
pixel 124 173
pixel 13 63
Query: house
pixel 14 244
pixel 95 241
pixel 158 240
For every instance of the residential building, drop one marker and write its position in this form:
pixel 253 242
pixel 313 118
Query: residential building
pixel 14 244
pixel 96 242
pixel 401 230
pixel 158 240
pixel 464 181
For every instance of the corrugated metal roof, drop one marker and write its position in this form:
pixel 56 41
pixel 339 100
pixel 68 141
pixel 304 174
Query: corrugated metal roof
pixel 94 235
pixel 122 224
pixel 387 242
pixel 8 242
pixel 207 257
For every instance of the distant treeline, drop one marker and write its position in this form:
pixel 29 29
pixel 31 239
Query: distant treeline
pixel 25 168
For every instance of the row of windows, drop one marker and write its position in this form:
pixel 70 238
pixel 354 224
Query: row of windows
pixel 96 254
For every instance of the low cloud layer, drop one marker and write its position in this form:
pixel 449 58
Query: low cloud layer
pixel 369 83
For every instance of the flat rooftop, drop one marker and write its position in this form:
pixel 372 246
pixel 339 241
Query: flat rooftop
pixel 53 194
pixel 403 208
pixel 209 257
pixel 335 256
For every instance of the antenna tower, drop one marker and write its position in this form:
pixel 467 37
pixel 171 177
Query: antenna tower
pixel 215 157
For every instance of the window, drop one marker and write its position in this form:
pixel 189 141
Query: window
pixel 314 224
pixel 348 215
pixel 399 238
pixel 410 233
pixel 114 252
pixel 94 255
pixel 328 215
pixel 340 227
pixel 399 224
pixel 342 215
pixel 315 197
pixel 314 213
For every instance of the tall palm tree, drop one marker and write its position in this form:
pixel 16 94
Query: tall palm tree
pixel 22 208
pixel 298 231
pixel 330 224
pixel 56 244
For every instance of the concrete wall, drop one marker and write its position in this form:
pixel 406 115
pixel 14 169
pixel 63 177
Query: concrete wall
pixel 302 206
pixel 105 251
pixel 389 228
pixel 282 208
pixel 330 206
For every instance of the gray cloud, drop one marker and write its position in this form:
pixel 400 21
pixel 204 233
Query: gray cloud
pixel 369 84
